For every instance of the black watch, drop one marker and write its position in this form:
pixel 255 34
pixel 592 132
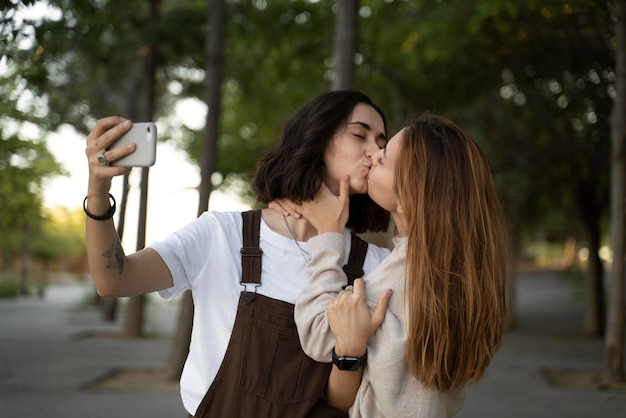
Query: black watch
pixel 349 363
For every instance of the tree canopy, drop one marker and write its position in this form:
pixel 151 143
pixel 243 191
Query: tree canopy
pixel 533 81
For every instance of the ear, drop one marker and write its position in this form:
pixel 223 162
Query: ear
pixel 399 208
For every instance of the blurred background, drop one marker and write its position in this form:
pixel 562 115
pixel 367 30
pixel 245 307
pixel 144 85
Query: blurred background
pixel 534 82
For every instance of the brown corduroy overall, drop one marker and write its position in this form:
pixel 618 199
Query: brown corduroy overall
pixel 264 372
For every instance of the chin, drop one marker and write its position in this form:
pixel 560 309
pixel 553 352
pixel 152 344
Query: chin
pixel 360 189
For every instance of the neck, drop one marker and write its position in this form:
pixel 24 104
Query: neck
pixel 301 229
pixel 400 221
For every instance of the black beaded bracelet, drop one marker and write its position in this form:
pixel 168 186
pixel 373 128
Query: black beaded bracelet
pixel 107 215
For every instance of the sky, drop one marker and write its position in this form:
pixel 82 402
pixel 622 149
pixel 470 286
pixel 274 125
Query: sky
pixel 172 184
pixel 172 188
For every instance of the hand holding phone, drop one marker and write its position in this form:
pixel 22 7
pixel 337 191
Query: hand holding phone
pixel 144 134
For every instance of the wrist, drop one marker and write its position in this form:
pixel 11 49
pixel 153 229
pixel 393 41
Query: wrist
pixel 349 363
pixel 98 197
pixel 97 186
pixel 351 348
pixel 107 209
pixel 330 230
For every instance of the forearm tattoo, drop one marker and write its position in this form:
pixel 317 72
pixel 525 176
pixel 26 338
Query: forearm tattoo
pixel 115 257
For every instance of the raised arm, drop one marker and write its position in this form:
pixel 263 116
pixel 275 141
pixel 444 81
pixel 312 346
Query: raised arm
pixel 328 317
pixel 114 273
pixel 328 214
pixel 352 323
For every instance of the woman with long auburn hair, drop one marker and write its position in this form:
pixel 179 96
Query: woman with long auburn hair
pixel 447 272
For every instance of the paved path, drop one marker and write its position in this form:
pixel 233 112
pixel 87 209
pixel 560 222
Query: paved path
pixel 47 359
pixel 550 314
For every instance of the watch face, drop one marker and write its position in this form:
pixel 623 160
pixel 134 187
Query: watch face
pixel 349 363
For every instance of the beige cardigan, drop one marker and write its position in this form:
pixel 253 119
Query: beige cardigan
pixel 388 389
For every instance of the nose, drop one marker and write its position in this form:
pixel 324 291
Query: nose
pixel 374 156
pixel 371 147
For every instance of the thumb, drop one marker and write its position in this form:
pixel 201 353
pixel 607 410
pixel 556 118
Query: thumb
pixel 378 314
pixel 344 187
pixel 358 287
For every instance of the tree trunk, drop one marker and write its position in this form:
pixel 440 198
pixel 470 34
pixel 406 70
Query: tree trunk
pixel 344 48
pixel 182 338
pixel 134 315
pixel 568 261
pixel 25 265
pixel 133 324
pixel 595 314
pixel 109 305
pixel 133 321
pixel 7 266
pixel 614 341
pixel 45 275
pixel 213 55
pixel 213 82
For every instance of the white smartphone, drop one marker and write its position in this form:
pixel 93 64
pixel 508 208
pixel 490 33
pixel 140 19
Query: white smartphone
pixel 144 134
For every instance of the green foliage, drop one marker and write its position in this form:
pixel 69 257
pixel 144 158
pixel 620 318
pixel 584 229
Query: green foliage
pixel 532 80
pixel 24 162
pixel 547 126
pixel 275 61
pixel 87 60
pixel 9 287
pixel 62 236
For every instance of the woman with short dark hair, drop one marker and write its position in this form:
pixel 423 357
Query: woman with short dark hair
pixel 245 271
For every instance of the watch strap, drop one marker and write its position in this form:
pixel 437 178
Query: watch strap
pixel 349 363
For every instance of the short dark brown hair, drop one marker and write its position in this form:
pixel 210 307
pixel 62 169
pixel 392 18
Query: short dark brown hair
pixel 295 169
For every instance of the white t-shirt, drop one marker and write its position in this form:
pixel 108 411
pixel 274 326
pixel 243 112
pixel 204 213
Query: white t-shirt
pixel 204 257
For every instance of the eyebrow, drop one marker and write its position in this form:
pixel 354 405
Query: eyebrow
pixel 369 128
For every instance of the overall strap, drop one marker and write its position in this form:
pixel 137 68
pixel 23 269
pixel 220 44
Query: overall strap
pixel 358 251
pixel 251 252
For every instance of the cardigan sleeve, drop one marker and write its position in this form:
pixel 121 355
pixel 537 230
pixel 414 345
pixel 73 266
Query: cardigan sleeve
pixel 326 280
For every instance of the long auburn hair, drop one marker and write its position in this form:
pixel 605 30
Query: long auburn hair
pixel 295 169
pixel 458 254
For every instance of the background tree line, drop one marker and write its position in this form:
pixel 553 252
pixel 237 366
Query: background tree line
pixel 534 83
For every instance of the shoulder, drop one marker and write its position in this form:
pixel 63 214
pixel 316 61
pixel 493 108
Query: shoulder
pixel 211 220
pixel 375 254
pixel 207 227
pixel 222 217
pixel 380 253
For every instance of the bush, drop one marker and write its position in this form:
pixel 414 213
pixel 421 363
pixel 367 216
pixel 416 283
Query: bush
pixel 9 288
